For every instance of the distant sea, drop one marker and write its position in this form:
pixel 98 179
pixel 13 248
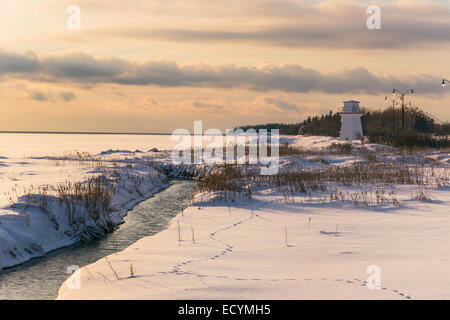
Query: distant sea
pixel 25 144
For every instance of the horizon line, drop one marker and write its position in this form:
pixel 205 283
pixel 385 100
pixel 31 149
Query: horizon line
pixel 83 132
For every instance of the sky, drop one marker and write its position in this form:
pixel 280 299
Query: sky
pixel 159 65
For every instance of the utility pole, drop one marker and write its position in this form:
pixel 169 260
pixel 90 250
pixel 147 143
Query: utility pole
pixel 402 95
pixel 412 113
pixel 386 98
pixel 444 81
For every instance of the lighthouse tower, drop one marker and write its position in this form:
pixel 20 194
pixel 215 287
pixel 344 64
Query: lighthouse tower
pixel 351 127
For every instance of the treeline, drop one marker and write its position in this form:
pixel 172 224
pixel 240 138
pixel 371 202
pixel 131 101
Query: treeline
pixel 325 125
pixel 420 129
pixel 379 126
pixel 284 128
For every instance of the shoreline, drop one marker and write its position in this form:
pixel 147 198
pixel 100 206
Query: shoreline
pixel 87 132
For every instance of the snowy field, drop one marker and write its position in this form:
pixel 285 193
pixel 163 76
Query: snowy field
pixel 241 253
pixel 274 239
pixel 281 245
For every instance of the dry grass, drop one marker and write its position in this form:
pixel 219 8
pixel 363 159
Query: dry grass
pixel 179 231
pixel 285 237
pixel 111 267
pixel 132 271
pixel 327 184
pixel 193 235
pixel 87 205
pixel 335 149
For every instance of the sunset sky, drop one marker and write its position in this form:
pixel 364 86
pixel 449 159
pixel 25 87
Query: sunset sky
pixel 158 65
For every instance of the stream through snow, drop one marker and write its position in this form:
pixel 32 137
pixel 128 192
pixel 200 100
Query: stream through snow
pixel 42 277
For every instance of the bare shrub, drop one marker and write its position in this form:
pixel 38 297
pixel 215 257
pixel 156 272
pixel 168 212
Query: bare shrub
pixel 421 194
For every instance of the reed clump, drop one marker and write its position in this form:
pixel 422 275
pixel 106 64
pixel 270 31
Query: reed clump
pixel 87 205
pixel 229 182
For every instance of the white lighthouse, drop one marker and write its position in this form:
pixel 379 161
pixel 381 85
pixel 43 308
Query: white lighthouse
pixel 351 127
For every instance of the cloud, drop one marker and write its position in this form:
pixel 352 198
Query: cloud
pixel 276 106
pixel 327 24
pixel 82 66
pixel 286 104
pixel 281 104
pixel 208 106
pixel 11 62
pixel 39 96
pixel 52 96
pixel 83 69
pixel 67 95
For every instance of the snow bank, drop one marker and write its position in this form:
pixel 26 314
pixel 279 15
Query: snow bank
pixel 32 225
pixel 322 143
pixel 37 224
pixel 110 151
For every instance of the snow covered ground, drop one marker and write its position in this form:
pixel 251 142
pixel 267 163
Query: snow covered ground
pixel 241 252
pixel 274 246
pixel 31 162
pixel 27 230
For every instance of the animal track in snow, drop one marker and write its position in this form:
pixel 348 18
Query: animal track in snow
pixel 177 269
